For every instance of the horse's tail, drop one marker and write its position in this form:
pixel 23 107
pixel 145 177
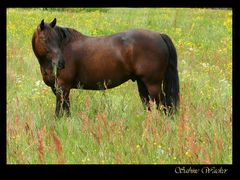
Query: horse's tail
pixel 171 80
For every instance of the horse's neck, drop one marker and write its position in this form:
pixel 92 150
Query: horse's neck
pixel 76 34
pixel 72 36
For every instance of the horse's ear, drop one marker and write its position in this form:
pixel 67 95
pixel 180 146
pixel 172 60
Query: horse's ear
pixel 53 23
pixel 42 24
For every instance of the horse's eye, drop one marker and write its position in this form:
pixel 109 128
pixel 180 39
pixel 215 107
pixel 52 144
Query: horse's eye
pixel 44 37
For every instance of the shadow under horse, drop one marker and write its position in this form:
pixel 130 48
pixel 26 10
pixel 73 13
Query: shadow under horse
pixel 68 59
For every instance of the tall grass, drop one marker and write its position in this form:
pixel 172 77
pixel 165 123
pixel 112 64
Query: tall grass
pixel 110 127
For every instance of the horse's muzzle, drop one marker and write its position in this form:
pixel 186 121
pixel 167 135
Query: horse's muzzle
pixel 61 64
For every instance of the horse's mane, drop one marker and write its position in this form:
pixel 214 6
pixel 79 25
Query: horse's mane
pixel 67 35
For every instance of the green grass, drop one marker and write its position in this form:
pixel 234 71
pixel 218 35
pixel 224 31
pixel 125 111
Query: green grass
pixel 111 126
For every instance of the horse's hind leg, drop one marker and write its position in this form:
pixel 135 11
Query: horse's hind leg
pixel 154 91
pixel 143 93
pixel 158 96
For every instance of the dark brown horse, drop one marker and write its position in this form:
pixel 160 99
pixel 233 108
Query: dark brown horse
pixel 104 62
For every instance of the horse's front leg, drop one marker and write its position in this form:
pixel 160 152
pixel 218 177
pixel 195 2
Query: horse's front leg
pixel 66 104
pixel 62 100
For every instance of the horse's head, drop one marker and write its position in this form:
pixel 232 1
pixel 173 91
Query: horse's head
pixel 46 44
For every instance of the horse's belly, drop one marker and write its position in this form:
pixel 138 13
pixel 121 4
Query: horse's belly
pixel 98 75
pixel 101 84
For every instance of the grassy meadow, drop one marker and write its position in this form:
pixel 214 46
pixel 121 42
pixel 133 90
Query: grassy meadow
pixel 111 127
